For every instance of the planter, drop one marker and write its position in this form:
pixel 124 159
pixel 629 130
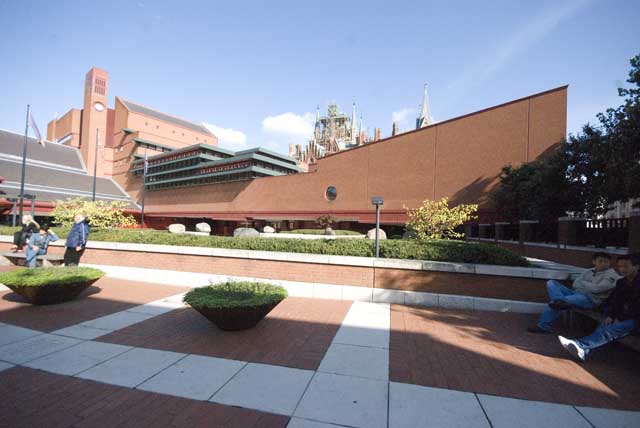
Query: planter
pixel 235 306
pixel 47 286
pixel 51 294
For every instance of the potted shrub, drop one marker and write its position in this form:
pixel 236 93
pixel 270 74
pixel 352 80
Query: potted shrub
pixel 51 285
pixel 235 305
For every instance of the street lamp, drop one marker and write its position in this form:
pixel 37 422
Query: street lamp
pixel 377 201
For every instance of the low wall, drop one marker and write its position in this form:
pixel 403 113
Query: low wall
pixel 485 281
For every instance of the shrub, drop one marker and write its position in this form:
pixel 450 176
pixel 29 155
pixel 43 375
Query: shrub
pixel 435 220
pixel 235 294
pixel 100 214
pixel 325 221
pixel 49 276
pixel 321 232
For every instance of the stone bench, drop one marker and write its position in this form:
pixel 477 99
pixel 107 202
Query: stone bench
pixel 19 259
pixel 632 341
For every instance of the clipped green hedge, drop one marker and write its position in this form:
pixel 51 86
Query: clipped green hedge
pixel 320 232
pixel 49 276
pixel 444 251
pixel 235 295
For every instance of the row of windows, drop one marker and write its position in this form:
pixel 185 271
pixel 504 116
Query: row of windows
pixel 173 131
pixel 205 180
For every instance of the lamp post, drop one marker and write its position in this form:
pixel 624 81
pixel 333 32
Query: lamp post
pixel 24 162
pixel 377 201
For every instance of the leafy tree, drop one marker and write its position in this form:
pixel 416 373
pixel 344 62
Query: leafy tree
pixel 325 221
pixel 100 214
pixel 436 220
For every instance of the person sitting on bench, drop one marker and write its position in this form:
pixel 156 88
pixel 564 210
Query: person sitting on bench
pixel 590 289
pixel 39 244
pixel 622 311
pixel 21 237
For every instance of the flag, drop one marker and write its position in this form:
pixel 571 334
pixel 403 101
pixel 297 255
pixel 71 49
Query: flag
pixel 32 123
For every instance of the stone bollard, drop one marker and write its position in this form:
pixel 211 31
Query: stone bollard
pixel 634 232
pixel 568 230
pixel 528 230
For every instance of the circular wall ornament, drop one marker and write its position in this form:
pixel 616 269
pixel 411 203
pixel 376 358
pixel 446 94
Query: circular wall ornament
pixel 331 193
pixel 98 106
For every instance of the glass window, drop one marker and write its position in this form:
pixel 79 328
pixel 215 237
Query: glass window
pixel 331 193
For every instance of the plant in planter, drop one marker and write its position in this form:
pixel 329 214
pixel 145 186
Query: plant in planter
pixel 47 286
pixel 325 222
pixel 235 305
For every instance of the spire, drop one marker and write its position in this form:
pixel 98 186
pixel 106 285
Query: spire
pixel 425 112
pixel 317 114
pixel 353 123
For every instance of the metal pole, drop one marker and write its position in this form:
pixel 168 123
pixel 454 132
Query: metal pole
pixel 95 164
pixel 377 230
pixel 24 161
pixel 144 185
pixel 33 207
pixel 13 212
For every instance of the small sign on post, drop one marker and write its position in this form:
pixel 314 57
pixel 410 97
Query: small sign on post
pixel 377 201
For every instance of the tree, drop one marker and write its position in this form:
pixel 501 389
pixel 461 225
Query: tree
pixel 99 214
pixel 436 220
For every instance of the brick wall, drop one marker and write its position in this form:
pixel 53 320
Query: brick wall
pixel 499 287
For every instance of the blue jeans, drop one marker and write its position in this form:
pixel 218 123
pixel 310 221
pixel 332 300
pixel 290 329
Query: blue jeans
pixel 31 256
pixel 556 292
pixel 606 333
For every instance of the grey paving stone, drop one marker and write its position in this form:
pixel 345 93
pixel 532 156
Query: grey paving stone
pixel 264 387
pixel 132 367
pixel 11 333
pixel 78 358
pixel 420 406
pixel 372 363
pixel 362 336
pixel 345 400
pixel 35 347
pixel 509 412
pixel 606 418
pixel 306 423
pixel 116 321
pixel 196 377
pixel 81 332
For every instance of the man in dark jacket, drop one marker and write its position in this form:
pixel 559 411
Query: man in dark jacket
pixel 76 241
pixel 622 311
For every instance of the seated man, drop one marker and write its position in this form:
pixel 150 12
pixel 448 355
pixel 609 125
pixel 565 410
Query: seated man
pixel 590 289
pixel 622 310
pixel 39 244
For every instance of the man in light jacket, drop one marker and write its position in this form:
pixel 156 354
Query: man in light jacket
pixel 76 241
pixel 39 244
pixel 590 290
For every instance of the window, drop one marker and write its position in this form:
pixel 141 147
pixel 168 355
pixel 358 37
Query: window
pixel 146 124
pixel 331 194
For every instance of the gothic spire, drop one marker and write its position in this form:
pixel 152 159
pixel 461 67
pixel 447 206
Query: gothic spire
pixel 425 112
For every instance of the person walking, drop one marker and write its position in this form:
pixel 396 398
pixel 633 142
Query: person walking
pixel 76 241
pixel 38 245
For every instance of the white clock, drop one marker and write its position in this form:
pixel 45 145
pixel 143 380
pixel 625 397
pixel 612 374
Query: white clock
pixel 98 106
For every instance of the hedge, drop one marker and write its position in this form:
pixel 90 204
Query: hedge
pixel 321 232
pixel 235 295
pixel 446 251
pixel 49 276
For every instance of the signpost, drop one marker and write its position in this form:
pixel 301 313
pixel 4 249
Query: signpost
pixel 377 201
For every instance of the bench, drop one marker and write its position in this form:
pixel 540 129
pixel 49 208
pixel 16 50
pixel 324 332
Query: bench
pixel 632 341
pixel 19 259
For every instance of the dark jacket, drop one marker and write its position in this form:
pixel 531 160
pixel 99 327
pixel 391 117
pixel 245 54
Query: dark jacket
pixel 22 236
pixel 78 235
pixel 624 301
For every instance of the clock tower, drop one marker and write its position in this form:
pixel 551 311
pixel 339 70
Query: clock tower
pixel 94 120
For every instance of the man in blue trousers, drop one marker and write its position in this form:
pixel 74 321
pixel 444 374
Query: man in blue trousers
pixel 76 241
pixel 622 311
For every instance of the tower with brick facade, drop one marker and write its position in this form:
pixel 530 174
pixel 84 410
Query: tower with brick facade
pixel 94 118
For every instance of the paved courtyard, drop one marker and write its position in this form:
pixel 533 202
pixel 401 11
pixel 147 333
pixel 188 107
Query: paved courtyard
pixel 131 354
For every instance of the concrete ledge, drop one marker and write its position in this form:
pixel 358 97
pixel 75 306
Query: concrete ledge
pixel 610 250
pixel 415 265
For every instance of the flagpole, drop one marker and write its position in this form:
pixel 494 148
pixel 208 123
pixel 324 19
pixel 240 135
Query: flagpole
pixel 24 162
pixel 95 164
pixel 144 186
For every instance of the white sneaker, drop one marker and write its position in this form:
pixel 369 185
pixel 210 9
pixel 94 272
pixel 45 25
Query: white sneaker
pixel 573 348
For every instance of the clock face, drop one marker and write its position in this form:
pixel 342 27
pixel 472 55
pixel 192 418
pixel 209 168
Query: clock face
pixel 98 106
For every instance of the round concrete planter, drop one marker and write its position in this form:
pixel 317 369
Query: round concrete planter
pixel 51 294
pixel 237 318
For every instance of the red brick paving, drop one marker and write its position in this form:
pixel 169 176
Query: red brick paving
pixel 489 352
pixel 31 398
pixel 106 296
pixel 295 334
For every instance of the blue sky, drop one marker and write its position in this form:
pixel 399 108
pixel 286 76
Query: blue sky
pixel 257 70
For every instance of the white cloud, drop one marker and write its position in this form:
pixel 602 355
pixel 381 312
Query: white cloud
pixel 295 127
pixel 403 116
pixel 228 137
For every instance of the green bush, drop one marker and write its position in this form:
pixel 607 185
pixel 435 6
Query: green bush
pixel 49 276
pixel 444 250
pixel 321 232
pixel 234 295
